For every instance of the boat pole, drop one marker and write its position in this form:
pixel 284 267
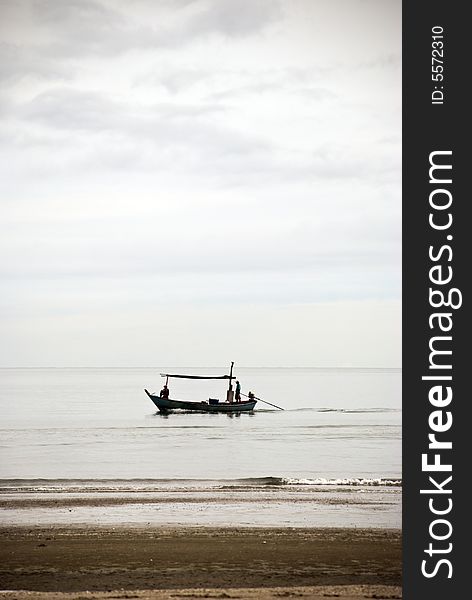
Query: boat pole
pixel 231 376
pixel 265 402
pixel 229 393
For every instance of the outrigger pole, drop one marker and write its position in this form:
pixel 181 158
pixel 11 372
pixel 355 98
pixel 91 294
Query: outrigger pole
pixel 167 375
pixel 265 402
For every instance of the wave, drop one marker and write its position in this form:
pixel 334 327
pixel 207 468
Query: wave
pixel 154 485
pixel 349 481
pixel 324 481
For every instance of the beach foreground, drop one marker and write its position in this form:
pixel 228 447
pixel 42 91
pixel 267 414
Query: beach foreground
pixel 348 592
pixel 199 562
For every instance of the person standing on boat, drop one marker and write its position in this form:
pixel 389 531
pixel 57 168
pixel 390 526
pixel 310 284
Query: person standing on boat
pixel 164 393
pixel 237 394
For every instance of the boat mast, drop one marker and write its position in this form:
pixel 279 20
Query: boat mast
pixel 230 393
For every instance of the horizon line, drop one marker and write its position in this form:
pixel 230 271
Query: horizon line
pixel 160 366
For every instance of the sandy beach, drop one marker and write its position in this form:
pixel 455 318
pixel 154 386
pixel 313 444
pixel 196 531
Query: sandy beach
pixel 235 563
pixel 347 592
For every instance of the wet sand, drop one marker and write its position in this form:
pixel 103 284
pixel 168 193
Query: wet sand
pixel 91 562
pixel 216 504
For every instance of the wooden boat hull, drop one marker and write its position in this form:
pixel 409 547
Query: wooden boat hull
pixel 166 404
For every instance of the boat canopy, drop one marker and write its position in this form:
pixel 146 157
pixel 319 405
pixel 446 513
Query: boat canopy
pixel 195 376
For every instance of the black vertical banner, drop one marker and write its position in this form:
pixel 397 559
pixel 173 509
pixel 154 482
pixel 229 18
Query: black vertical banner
pixel 437 259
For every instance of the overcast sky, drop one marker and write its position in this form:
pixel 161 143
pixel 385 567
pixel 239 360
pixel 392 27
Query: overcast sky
pixel 199 181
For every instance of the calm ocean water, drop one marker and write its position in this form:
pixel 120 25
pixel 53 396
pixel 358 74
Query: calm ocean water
pixel 86 430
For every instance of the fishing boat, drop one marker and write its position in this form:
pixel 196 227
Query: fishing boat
pixel 212 405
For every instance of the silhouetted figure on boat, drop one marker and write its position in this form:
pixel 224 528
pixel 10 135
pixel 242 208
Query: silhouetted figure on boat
pixel 164 393
pixel 237 394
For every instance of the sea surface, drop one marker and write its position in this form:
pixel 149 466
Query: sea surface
pixel 81 445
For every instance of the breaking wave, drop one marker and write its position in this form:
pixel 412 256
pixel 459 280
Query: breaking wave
pixel 155 485
pixel 351 481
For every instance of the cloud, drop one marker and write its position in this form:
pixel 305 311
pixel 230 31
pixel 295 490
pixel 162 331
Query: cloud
pixel 200 152
pixel 241 18
pixel 17 64
pixel 83 29
pixel 203 139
